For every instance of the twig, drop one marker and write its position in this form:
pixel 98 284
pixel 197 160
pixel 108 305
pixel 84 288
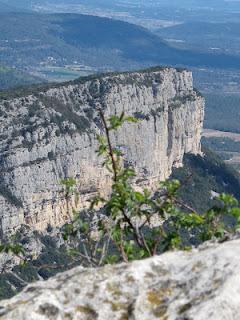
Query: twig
pixel 184 205
pixel 110 148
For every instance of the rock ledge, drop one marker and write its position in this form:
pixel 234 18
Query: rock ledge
pixel 197 285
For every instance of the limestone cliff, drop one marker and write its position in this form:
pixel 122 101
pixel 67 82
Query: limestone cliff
pixel 50 134
pixel 197 285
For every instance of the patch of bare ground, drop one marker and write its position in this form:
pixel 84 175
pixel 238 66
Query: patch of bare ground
pixel 210 133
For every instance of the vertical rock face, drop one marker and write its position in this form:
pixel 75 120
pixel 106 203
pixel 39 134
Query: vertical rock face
pixel 50 134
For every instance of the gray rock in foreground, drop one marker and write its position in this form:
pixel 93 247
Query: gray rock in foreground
pixel 202 284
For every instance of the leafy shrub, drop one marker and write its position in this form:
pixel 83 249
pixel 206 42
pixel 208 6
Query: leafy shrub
pixel 131 225
pixel 136 225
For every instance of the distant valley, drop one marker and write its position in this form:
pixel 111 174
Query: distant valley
pixel 127 35
pixel 80 44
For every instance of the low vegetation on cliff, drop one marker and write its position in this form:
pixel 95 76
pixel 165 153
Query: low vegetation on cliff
pixel 132 224
pixel 135 224
pixel 204 178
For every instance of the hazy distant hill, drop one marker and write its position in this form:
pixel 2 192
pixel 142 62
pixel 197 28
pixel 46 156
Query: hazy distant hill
pixel 205 36
pixel 7 8
pixel 116 3
pixel 30 39
pixel 14 5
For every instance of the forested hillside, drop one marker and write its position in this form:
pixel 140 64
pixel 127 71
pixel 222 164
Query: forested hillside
pixel 10 77
pixel 94 41
pixel 204 177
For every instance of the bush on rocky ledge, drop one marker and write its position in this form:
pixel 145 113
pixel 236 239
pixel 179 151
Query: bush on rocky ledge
pixel 136 225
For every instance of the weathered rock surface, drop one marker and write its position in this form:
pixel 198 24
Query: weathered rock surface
pixel 197 285
pixel 49 135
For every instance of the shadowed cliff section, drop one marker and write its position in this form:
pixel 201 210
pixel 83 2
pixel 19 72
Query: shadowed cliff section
pixel 204 177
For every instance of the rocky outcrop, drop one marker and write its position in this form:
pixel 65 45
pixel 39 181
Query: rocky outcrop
pixel 50 134
pixel 197 285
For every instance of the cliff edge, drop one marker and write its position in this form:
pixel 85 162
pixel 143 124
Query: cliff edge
pixel 50 134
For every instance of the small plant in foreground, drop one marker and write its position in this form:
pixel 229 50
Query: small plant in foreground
pixel 136 224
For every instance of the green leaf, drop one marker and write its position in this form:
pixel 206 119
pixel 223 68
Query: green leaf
pixel 228 199
pixel 139 196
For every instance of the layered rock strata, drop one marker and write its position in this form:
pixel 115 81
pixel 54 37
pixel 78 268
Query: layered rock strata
pixel 50 134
